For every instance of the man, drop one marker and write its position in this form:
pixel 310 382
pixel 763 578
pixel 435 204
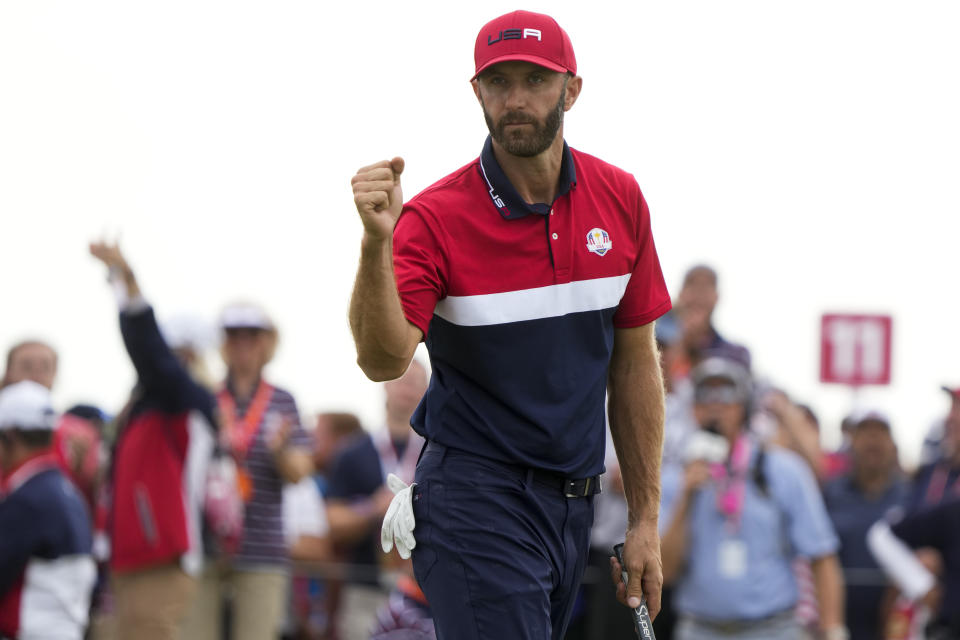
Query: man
pixel 159 471
pixel 695 305
pixel 939 480
pixel 734 519
pixel 46 567
pixel 531 274
pixel 31 360
pixel 936 529
pixel 358 498
pixel 855 501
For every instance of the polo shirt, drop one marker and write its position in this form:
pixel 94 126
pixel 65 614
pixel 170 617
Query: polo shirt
pixel 789 521
pixel 263 542
pixel 47 571
pixel 853 513
pixel 518 303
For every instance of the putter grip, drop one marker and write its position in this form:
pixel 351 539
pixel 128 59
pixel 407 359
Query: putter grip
pixel 641 617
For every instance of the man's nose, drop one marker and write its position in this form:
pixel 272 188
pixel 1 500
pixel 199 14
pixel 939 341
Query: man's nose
pixel 516 97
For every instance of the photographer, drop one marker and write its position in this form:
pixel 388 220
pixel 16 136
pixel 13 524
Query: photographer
pixel 734 518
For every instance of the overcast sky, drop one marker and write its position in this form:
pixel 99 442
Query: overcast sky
pixel 810 151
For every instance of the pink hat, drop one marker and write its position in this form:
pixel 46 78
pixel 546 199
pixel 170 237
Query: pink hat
pixel 527 36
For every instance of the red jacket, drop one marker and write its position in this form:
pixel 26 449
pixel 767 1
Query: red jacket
pixel 160 459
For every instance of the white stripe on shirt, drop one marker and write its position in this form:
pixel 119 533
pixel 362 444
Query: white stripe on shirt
pixel 533 304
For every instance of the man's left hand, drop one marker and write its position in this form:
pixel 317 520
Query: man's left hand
pixel 641 553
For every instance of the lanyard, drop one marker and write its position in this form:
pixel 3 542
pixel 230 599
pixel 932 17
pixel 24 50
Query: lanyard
pixel 731 479
pixel 406 465
pixel 27 470
pixel 240 433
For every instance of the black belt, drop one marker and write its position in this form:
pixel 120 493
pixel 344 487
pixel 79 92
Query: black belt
pixel 569 487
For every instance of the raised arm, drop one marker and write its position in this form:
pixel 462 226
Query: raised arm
pixel 384 338
pixel 158 370
pixel 636 407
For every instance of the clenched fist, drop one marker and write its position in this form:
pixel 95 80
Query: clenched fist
pixel 379 199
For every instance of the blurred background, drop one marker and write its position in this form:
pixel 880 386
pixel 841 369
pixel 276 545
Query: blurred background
pixel 807 151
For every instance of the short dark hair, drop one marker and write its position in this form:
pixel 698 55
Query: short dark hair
pixel 342 423
pixel 32 438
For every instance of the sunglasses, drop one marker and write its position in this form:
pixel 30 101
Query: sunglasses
pixel 718 395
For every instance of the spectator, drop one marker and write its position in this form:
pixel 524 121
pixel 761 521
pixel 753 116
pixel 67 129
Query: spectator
pixel 855 501
pixel 734 518
pixel 46 568
pixel 163 447
pixel 936 528
pixel 939 480
pixel 31 360
pixel 678 419
pixel 261 428
pixel 398 445
pixel 694 307
pixel 357 500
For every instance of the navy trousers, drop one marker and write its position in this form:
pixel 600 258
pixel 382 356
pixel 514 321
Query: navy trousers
pixel 499 555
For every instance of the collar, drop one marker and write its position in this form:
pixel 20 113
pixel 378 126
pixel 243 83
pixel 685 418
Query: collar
pixel 505 197
pixel 26 469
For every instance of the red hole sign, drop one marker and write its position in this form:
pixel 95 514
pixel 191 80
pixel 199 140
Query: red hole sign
pixel 855 349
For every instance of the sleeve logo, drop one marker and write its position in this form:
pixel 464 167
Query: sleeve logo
pixel 598 241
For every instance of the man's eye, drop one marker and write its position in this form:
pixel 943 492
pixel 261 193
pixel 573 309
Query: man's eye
pixel 537 79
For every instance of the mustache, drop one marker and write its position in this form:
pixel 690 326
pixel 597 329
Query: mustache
pixel 516 118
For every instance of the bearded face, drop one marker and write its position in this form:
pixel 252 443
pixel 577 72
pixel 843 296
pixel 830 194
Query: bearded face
pixel 521 133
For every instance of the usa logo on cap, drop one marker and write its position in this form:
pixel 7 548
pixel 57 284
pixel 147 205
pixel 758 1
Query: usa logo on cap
pixel 598 241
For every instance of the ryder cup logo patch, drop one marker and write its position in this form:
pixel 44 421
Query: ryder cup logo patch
pixel 598 241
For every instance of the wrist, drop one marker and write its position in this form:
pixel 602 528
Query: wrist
pixel 374 242
pixel 836 632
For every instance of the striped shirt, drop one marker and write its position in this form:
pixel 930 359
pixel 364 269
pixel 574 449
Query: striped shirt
pixel 263 540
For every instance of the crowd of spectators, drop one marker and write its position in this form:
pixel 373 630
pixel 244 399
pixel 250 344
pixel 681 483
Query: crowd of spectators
pixel 211 509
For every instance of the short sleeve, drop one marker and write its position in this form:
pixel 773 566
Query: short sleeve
pixel 355 472
pixel 418 267
pixel 808 525
pixel 646 297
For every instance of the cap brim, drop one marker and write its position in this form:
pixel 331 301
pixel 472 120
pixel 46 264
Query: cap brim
pixel 522 57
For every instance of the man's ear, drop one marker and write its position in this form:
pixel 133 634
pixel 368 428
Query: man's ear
pixel 574 85
pixel 476 90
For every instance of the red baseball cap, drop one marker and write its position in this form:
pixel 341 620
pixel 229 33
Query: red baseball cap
pixel 953 392
pixel 527 36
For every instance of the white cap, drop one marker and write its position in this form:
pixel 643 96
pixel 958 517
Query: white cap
pixel 245 316
pixel 188 332
pixel 26 406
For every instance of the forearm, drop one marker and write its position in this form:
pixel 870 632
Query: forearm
pixel 828 581
pixel 385 340
pixel 350 522
pixel 804 439
pixel 293 464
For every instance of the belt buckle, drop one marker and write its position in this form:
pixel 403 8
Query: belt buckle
pixel 571 491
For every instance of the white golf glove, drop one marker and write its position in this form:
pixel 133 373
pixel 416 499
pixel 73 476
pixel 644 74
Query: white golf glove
pixel 399 522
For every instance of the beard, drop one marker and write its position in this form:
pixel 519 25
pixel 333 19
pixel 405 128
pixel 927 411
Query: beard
pixel 522 142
